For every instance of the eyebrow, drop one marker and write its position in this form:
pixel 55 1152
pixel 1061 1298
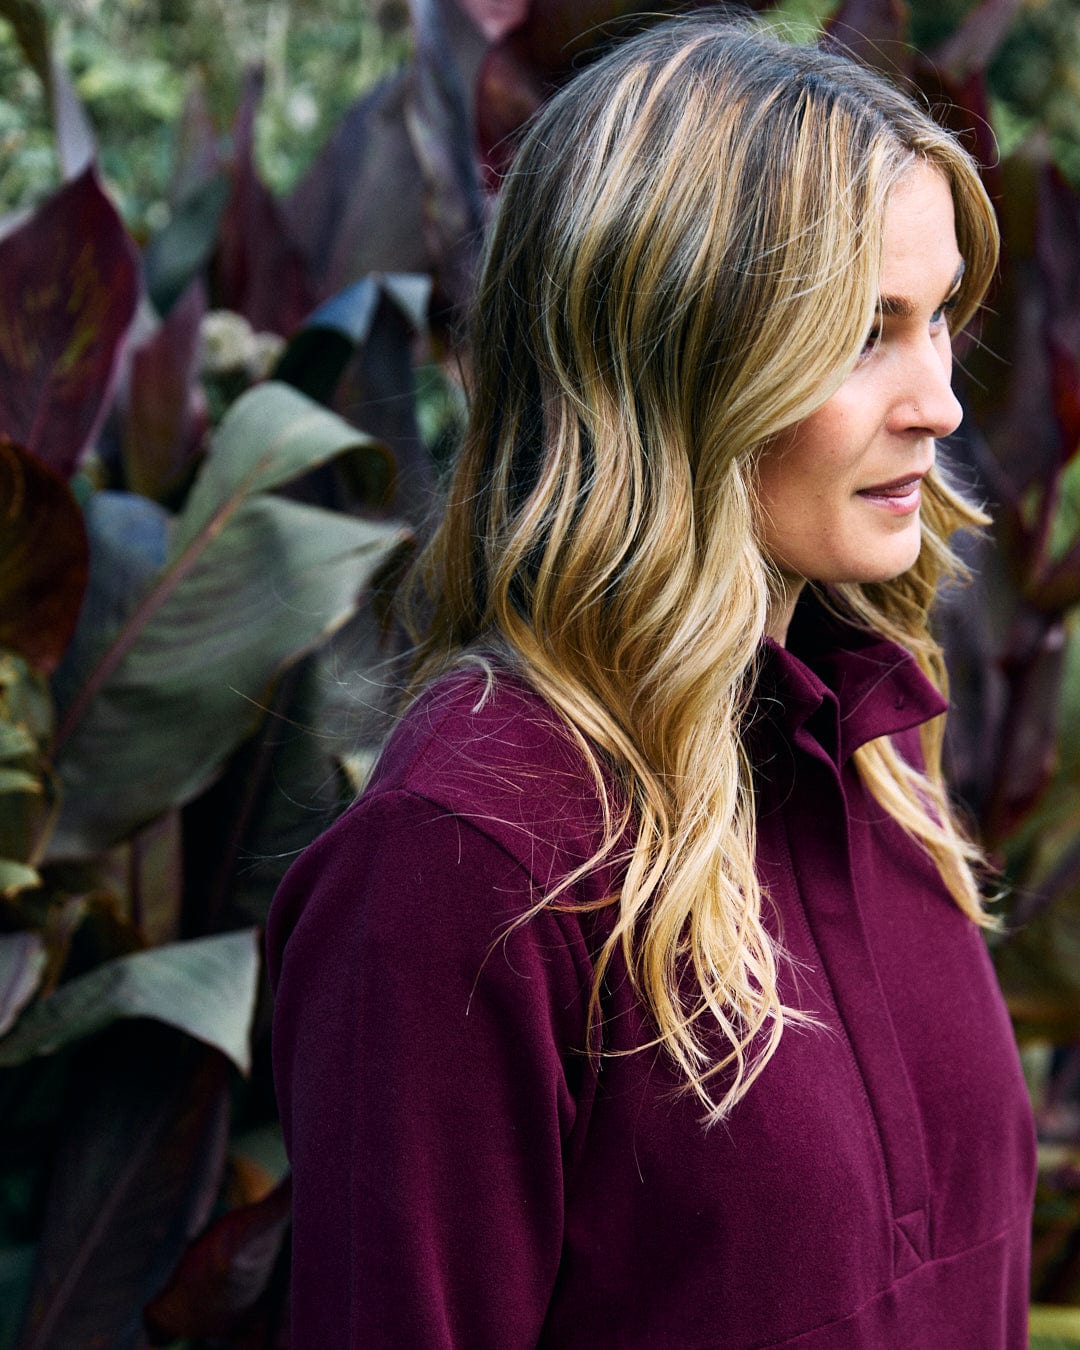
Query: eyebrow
pixel 900 307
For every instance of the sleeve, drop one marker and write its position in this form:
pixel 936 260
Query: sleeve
pixel 426 1067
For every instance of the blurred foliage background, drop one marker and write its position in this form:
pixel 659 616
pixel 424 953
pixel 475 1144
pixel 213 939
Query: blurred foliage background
pixel 229 378
pixel 133 63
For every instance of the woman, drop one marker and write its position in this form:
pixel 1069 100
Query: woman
pixel 641 1000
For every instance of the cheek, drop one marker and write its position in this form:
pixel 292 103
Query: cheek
pixel 806 468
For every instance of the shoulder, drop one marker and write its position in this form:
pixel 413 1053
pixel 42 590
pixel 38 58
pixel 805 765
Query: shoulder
pixel 480 804
pixel 487 750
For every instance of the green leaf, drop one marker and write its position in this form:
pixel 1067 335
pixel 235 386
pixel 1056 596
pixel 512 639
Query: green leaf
pixel 16 1273
pixel 251 583
pixel 194 681
pixel 137 1171
pixel 205 988
pixel 184 247
pixel 15 741
pixel 1054 1327
pixel 16 877
pixel 22 959
pixel 269 436
pixel 17 780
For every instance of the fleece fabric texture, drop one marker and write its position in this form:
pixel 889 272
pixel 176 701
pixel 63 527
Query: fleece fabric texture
pixel 467 1177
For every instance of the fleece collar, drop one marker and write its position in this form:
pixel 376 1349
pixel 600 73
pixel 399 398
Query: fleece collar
pixel 842 684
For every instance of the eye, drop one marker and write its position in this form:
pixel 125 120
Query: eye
pixel 941 315
pixel 872 339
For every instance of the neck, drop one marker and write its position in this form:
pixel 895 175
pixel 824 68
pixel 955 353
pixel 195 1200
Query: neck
pixel 785 592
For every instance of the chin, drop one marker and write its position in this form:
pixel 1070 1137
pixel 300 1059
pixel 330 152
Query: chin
pixel 888 569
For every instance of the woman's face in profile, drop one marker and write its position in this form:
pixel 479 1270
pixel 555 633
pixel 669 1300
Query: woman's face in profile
pixel 841 489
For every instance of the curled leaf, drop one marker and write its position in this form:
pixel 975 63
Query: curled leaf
pixel 205 988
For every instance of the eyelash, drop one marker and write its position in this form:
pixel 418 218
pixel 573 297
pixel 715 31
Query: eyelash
pixel 947 308
pixel 939 314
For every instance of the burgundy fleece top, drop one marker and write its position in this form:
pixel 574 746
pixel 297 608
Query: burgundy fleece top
pixel 466 1177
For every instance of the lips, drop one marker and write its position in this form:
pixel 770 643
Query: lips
pixel 900 496
pixel 898 487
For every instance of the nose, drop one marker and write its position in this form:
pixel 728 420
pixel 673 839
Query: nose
pixel 926 402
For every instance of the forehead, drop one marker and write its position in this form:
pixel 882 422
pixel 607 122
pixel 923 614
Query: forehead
pixel 920 253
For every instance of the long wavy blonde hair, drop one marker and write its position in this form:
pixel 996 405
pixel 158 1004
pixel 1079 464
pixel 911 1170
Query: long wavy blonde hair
pixel 684 263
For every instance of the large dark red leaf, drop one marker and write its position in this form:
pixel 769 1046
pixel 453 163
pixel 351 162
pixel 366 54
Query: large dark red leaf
pixel 962 103
pixel 44 558
pixel 198 157
pixel 338 212
pixel 1007 380
pixel 162 406
pixel 70 286
pixel 975 43
pixel 257 271
pixel 874 32
pixel 136 1176
pixel 378 392
pixel 1057 246
pixel 224 1273
pixel 439 123
pixel 1027 749
pixel 556 39
pixel 495 18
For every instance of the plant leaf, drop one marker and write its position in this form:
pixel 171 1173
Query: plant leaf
pixel 245 601
pixel 15 741
pixel 137 1172
pixel 1017 414
pixel 533 59
pixel 378 388
pixel 1057 244
pixel 162 406
pixel 70 289
pixel 76 144
pixel 270 435
pixel 874 32
pixel 224 1272
pixel 976 41
pixel 1027 749
pixel 258 271
pixel 198 156
pixel 176 256
pixel 28 23
pixel 356 351
pixel 495 18
pixel 16 877
pixel 22 963
pixel 238 568
pixel 316 355
pixel 43 558
pixel 128 538
pixel 437 118
pixel 205 988
pixel 337 212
